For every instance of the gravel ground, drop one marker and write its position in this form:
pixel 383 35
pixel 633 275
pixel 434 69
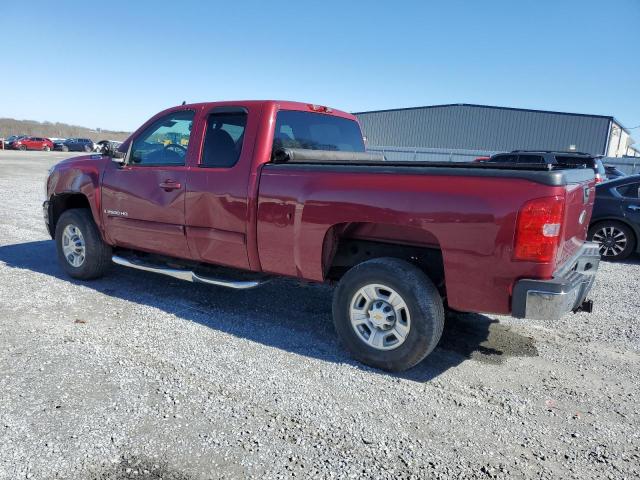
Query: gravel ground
pixel 140 376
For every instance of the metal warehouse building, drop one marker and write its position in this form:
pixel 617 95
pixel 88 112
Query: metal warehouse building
pixel 460 131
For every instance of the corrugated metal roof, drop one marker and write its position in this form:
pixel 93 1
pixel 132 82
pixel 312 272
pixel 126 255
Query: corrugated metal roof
pixel 480 127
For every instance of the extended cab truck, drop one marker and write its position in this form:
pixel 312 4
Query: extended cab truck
pixel 232 193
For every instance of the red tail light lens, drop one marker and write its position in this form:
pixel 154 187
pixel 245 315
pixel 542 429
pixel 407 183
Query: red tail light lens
pixel 538 229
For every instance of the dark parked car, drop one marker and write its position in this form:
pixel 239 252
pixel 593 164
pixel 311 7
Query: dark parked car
pixel 615 223
pixel 572 159
pixel 31 143
pixel 612 172
pixel 75 145
pixel 12 138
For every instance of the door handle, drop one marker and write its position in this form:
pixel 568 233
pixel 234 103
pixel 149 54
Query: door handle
pixel 169 185
pixel 633 207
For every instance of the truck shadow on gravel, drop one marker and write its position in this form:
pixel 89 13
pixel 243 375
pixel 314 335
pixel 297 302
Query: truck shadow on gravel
pixel 283 314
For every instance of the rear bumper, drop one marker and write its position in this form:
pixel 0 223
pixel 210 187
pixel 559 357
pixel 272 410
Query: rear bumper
pixel 565 292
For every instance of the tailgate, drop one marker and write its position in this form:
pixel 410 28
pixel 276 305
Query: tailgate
pixel 578 208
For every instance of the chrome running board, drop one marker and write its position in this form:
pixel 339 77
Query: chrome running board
pixel 187 275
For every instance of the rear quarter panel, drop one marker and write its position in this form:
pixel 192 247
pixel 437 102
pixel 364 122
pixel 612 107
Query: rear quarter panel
pixel 471 219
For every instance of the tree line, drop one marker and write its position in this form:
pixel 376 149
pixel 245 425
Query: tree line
pixel 11 126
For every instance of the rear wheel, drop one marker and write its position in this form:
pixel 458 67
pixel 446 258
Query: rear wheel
pixel 22 147
pixel 64 148
pixel 616 240
pixel 388 313
pixel 46 148
pixel 87 148
pixel 81 251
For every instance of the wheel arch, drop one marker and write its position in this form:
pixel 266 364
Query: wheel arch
pixel 60 203
pixel 348 244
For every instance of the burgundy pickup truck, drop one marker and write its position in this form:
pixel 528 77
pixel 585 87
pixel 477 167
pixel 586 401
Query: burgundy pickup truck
pixel 234 193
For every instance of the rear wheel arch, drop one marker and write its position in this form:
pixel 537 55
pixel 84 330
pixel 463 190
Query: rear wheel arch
pixel 342 251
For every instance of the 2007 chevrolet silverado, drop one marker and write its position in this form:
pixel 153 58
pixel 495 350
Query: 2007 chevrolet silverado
pixel 232 193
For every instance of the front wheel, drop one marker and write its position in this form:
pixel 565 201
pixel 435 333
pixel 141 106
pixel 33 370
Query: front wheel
pixel 22 147
pixel 616 240
pixel 46 148
pixel 81 251
pixel 87 148
pixel 388 313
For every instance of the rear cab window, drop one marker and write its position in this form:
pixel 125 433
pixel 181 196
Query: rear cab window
pixel 316 131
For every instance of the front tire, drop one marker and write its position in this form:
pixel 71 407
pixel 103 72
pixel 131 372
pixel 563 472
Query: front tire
pixel 616 240
pixel 22 147
pixel 46 148
pixel 388 314
pixel 81 251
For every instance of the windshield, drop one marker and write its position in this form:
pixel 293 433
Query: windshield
pixel 315 131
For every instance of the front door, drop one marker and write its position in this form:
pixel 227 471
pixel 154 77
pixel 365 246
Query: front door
pixel 143 200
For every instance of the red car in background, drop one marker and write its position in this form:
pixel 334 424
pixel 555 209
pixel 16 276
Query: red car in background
pixel 31 143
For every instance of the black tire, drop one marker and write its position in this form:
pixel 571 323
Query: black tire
pixel 22 147
pixel 97 259
pixel 64 148
pixel 601 232
pixel 45 148
pixel 87 148
pixel 422 301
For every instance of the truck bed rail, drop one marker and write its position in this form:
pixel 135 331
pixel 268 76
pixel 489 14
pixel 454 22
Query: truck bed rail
pixel 306 156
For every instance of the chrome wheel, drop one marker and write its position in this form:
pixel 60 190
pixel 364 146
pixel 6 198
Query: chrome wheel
pixel 380 317
pixel 73 246
pixel 612 241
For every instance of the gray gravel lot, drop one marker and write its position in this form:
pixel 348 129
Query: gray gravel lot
pixel 140 376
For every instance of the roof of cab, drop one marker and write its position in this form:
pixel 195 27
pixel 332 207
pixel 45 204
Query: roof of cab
pixel 279 104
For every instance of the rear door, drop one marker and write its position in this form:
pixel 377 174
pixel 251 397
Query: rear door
pixel 144 199
pixel 217 205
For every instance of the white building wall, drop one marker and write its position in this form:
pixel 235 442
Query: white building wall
pixel 619 141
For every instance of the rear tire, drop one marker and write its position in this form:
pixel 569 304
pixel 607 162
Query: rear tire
pixel 81 251
pixel 87 148
pixel 22 147
pixel 46 148
pixel 616 240
pixel 65 148
pixel 388 314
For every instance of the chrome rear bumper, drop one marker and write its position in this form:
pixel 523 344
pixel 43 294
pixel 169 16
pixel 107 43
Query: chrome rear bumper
pixel 565 292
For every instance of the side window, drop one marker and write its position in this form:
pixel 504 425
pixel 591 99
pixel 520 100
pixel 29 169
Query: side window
pixel 530 159
pixel 630 191
pixel 164 142
pixel 223 139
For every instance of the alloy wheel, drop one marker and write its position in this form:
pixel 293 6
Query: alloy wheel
pixel 612 241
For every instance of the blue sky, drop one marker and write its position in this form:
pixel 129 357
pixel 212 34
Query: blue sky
pixel 113 64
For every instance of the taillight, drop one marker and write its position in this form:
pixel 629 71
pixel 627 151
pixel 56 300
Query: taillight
pixel 538 229
pixel 599 178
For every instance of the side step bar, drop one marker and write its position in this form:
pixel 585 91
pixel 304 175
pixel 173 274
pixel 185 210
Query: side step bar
pixel 187 275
